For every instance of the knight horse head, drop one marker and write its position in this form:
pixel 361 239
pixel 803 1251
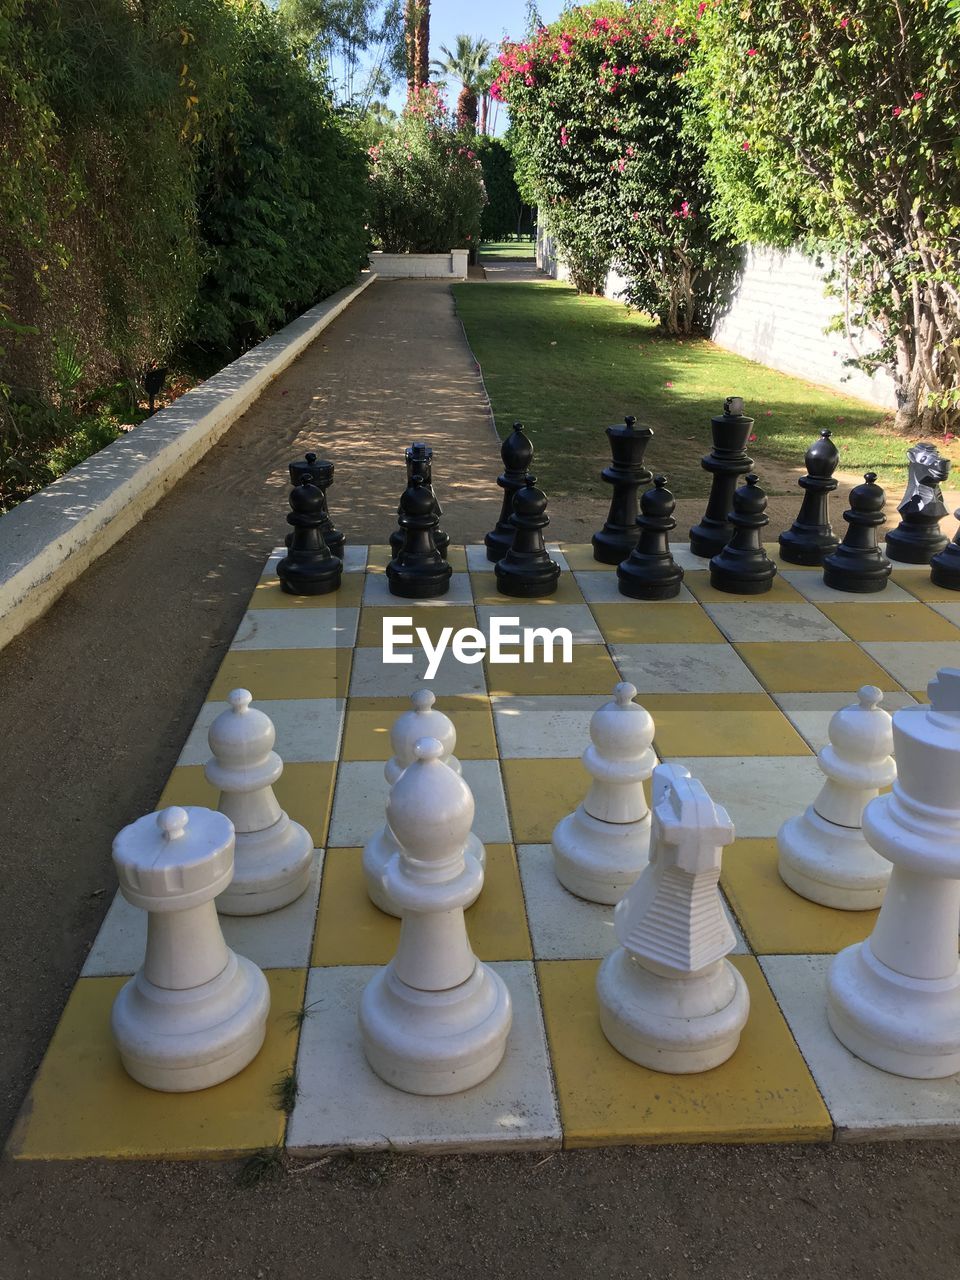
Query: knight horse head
pixel 927 472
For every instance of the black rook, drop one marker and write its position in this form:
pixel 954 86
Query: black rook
pixel 418 571
pixel 419 460
pixel 318 472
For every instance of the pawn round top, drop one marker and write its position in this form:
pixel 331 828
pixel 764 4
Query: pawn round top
pixel 621 729
pixel 174 859
pixel 517 450
pixel 306 499
pixel 750 499
pixel 422 721
pixel 658 501
pixel 529 501
pixel 867 496
pixel 242 735
pixel 862 731
pixel 417 500
pixel 822 457
pixel 430 809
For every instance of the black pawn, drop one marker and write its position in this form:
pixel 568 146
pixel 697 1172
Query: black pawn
pixel 318 472
pixel 419 460
pixel 917 538
pixel 857 564
pixel 620 534
pixel 309 568
pixel 517 454
pixel 418 571
pixel 650 572
pixel 811 536
pixel 945 565
pixel 743 568
pixel 727 461
pixel 526 569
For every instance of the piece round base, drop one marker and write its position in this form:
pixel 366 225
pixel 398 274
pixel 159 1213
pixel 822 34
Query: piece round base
pixel 181 1041
pixel 415 585
pixel 733 583
pixel 660 585
pixel 599 861
pixel 378 852
pixel 639 1014
pixel 497 544
pixel 946 575
pixel 708 543
pixel 303 580
pixel 543 583
pixel 809 551
pixel 907 1026
pixel 914 549
pixel 857 582
pixel 613 548
pixel 270 870
pixel 435 1042
pixel 831 865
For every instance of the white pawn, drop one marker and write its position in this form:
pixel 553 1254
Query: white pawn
pixel 601 848
pixel 894 1000
pixel 196 1013
pixel 274 856
pixel 422 721
pixel 824 855
pixel 436 1019
pixel 668 997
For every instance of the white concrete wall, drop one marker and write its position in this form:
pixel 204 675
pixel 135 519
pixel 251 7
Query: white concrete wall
pixel 430 266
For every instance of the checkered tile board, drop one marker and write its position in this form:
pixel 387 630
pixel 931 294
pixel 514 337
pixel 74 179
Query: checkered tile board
pixel 741 690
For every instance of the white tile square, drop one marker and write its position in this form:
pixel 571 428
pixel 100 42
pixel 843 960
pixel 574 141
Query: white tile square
pixel 685 558
pixel 915 664
pixel 342 1103
pixel 684 668
pixel 376 591
pixel 810 713
pixel 602 588
pixel 577 618
pixel 278 940
pixel 813 587
pixel 758 792
pixel 863 1101
pixel 371 677
pixel 763 622
pixel 949 611
pixel 297 628
pixel 360 802
pixel 551 728
pixel 308 729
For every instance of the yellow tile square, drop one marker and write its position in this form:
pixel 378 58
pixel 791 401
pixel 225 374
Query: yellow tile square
pixel 656 623
pixel 579 556
pixel 591 671
pixel 734 724
pixel 284 673
pixel 83 1104
pixel 904 622
pixel 305 791
pixel 351 930
pixel 763 1093
pixel 541 792
pixel 774 919
pixel 781 592
pixel 378 557
pixel 268 594
pixel 485 591
pixel 813 666
pixel 917 582
pixel 366 734
pixel 431 618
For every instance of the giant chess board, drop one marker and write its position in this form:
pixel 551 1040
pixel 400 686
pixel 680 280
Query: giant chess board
pixel 741 690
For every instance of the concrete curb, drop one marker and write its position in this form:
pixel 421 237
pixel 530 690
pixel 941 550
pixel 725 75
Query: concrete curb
pixel 51 538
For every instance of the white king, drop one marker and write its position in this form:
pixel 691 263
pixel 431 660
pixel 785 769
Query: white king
pixel 668 997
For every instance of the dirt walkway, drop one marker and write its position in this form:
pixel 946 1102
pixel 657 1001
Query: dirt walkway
pixel 97 698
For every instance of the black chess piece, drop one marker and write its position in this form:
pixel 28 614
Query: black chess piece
pixel 743 568
pixel 811 536
pixel 626 473
pixel 517 454
pixel 727 461
pixel 526 569
pixel 320 473
pixel 419 460
pixel 309 568
pixel 945 565
pixel 917 538
pixel 858 565
pixel 418 571
pixel 650 572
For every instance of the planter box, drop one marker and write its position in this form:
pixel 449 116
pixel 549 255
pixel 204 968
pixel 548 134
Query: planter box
pixel 423 266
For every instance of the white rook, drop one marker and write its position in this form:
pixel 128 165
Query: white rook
pixel 824 855
pixel 436 1019
pixel 669 999
pixel 422 721
pixel 894 1000
pixel 601 848
pixel 196 1013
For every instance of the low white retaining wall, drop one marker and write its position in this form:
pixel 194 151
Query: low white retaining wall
pixel 48 540
pixel 430 266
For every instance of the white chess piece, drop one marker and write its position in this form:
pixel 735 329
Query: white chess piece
pixel 894 1000
pixel 196 1013
pixel 274 856
pixel 824 855
pixel 668 997
pixel 436 1019
pixel 601 848
pixel 422 721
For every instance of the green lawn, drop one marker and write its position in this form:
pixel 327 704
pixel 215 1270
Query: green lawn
pixel 567 366
pixel 524 249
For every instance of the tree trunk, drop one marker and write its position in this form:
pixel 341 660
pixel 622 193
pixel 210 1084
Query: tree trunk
pixel 467 110
pixel 417 44
pixel 484 110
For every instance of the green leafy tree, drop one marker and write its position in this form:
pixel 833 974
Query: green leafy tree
pixel 467 63
pixel 506 213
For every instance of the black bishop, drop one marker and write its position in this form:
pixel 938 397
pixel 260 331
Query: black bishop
pixel 811 536
pixel 517 454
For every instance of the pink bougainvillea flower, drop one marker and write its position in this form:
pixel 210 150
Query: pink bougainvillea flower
pixel 918 96
pixel 668 384
pixel 701 8
pixel 751 53
pixel 844 22
pixel 949 436
pixel 744 146
pixel 635 215
pixel 564 136
pixel 898 111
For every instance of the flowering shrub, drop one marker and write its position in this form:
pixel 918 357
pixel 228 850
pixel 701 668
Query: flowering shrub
pixel 599 103
pixel 426 182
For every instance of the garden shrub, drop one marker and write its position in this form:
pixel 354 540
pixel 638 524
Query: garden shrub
pixel 506 213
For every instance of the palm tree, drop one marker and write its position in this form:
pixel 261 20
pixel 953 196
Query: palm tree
pixel 467 63
pixel 416 27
